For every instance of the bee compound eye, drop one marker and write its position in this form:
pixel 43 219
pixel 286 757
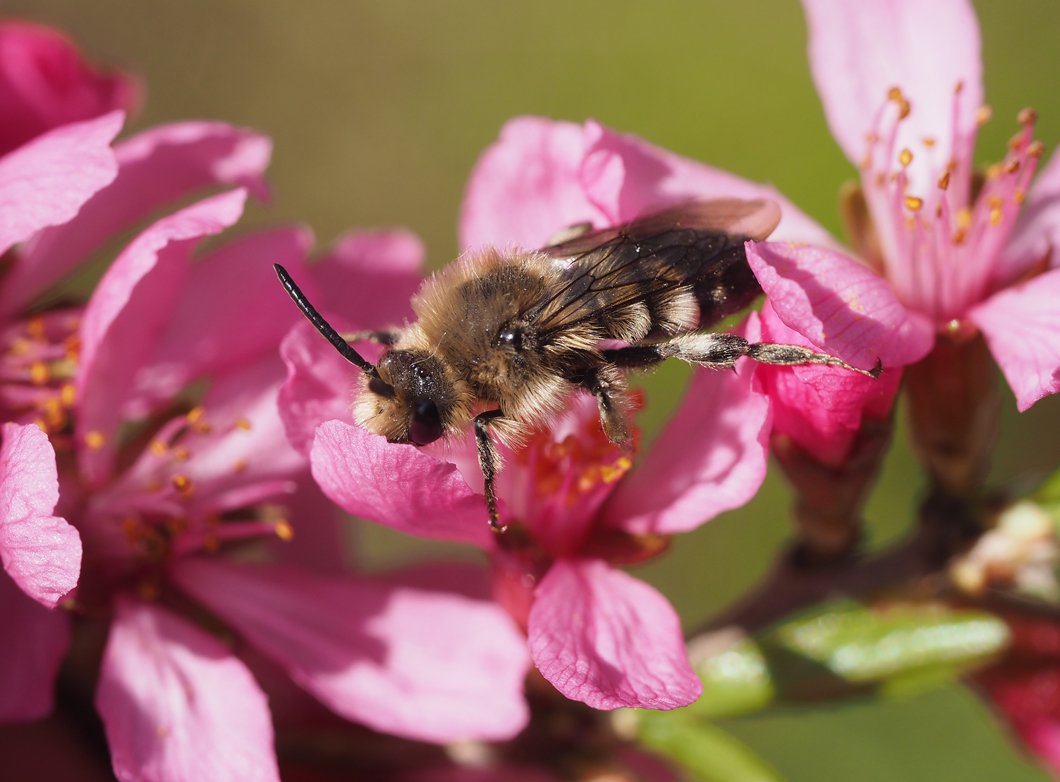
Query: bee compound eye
pixel 426 424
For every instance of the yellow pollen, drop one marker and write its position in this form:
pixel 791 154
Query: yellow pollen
pixel 95 439
pixel 239 466
pixel 39 373
pixel 1027 116
pixel 159 448
pixel 194 415
pixel 53 412
pixel 1019 197
pixel 183 484
pixel 928 141
pixel 35 327
pixel 944 181
pixel 905 157
pixel 181 454
pixel 73 346
pixel 283 529
pixel 995 202
pixel 995 216
pixel 913 203
pixel 953 326
pixel 68 395
pixel 242 423
pixel 41 424
pixel 983 115
pixel 894 94
pixel 1036 149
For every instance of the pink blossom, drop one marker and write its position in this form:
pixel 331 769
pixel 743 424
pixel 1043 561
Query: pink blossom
pixel 901 86
pixel 45 83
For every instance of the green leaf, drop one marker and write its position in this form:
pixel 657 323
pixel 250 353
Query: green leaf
pixel 704 751
pixel 736 680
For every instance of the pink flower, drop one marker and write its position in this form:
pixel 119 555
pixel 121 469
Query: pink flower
pixel 902 90
pixel 45 83
pixel 576 508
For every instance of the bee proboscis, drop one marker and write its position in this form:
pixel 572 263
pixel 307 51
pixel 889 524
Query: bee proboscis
pixel 502 338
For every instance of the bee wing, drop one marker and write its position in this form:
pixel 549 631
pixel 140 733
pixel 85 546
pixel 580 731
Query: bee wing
pixel 699 244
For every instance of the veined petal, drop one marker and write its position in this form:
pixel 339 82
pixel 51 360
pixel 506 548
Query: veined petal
pixel 156 168
pixel 1036 235
pixel 127 312
pixel 604 638
pixel 176 704
pixel 859 51
pixel 627 177
pixel 213 331
pixel 37 640
pixel 840 305
pixel 48 180
pixel 1021 325
pixel 41 552
pixel 710 458
pixel 527 186
pixel 396 485
pixel 405 659
pixel 370 276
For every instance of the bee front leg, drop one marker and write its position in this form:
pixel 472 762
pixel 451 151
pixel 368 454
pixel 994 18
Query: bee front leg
pixel 489 461
pixel 383 337
pixel 609 388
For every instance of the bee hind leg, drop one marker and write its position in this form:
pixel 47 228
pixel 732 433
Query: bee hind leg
pixel 609 388
pixel 489 461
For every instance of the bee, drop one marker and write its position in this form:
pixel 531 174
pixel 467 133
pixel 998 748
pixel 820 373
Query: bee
pixel 503 337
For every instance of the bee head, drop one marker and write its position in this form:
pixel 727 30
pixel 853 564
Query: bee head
pixel 411 401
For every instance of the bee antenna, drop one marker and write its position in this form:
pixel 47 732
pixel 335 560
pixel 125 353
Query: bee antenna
pixel 322 325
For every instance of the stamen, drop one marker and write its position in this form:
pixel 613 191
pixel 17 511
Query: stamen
pixel 1027 116
pixel 68 395
pixel 913 203
pixel 159 448
pixel 242 423
pixel 181 454
pixel 182 483
pixel 944 180
pixel 239 466
pixel 39 373
pixel 35 327
pixel 95 439
pixel 983 115
pixel 905 157
pixel 283 529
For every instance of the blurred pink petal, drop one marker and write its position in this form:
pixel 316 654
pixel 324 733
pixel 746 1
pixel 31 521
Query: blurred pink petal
pixel 48 180
pixel 396 485
pixel 45 83
pixel 409 660
pixel 527 186
pixel 129 309
pixel 609 640
pixel 176 704
pixel 820 408
pixel 710 458
pixel 652 177
pixel 840 305
pixel 420 663
pixel 156 168
pixel 36 642
pixel 859 51
pixel 1036 235
pixel 213 330
pixel 320 384
pixel 370 276
pixel 1021 325
pixel 41 552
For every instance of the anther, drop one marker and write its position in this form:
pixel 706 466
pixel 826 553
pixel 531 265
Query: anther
pixel 242 423
pixel 913 203
pixel 183 484
pixel 283 529
pixel 905 157
pixel 1027 116
pixel 944 180
pixel 39 373
pixel 95 439
pixel 1036 149
pixel 983 115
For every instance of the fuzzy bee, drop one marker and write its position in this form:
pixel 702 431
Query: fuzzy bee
pixel 502 338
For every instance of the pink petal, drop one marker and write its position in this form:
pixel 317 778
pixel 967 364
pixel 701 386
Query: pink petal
pixel 527 186
pixel 41 552
pixel 37 640
pixel 604 638
pixel 45 83
pixel 840 305
pixel 820 408
pixel 156 169
pixel 46 182
pixel 369 277
pixel 859 51
pixel 396 485
pixel 1036 235
pixel 129 309
pixel 413 661
pixel 652 177
pixel 1021 325
pixel 320 384
pixel 211 332
pixel 710 458
pixel 176 704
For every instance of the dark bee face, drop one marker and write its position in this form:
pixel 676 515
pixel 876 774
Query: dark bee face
pixel 410 400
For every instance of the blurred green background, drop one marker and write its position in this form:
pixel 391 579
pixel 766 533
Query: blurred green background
pixel 379 110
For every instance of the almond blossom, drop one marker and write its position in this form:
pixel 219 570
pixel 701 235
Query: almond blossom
pixel 902 90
